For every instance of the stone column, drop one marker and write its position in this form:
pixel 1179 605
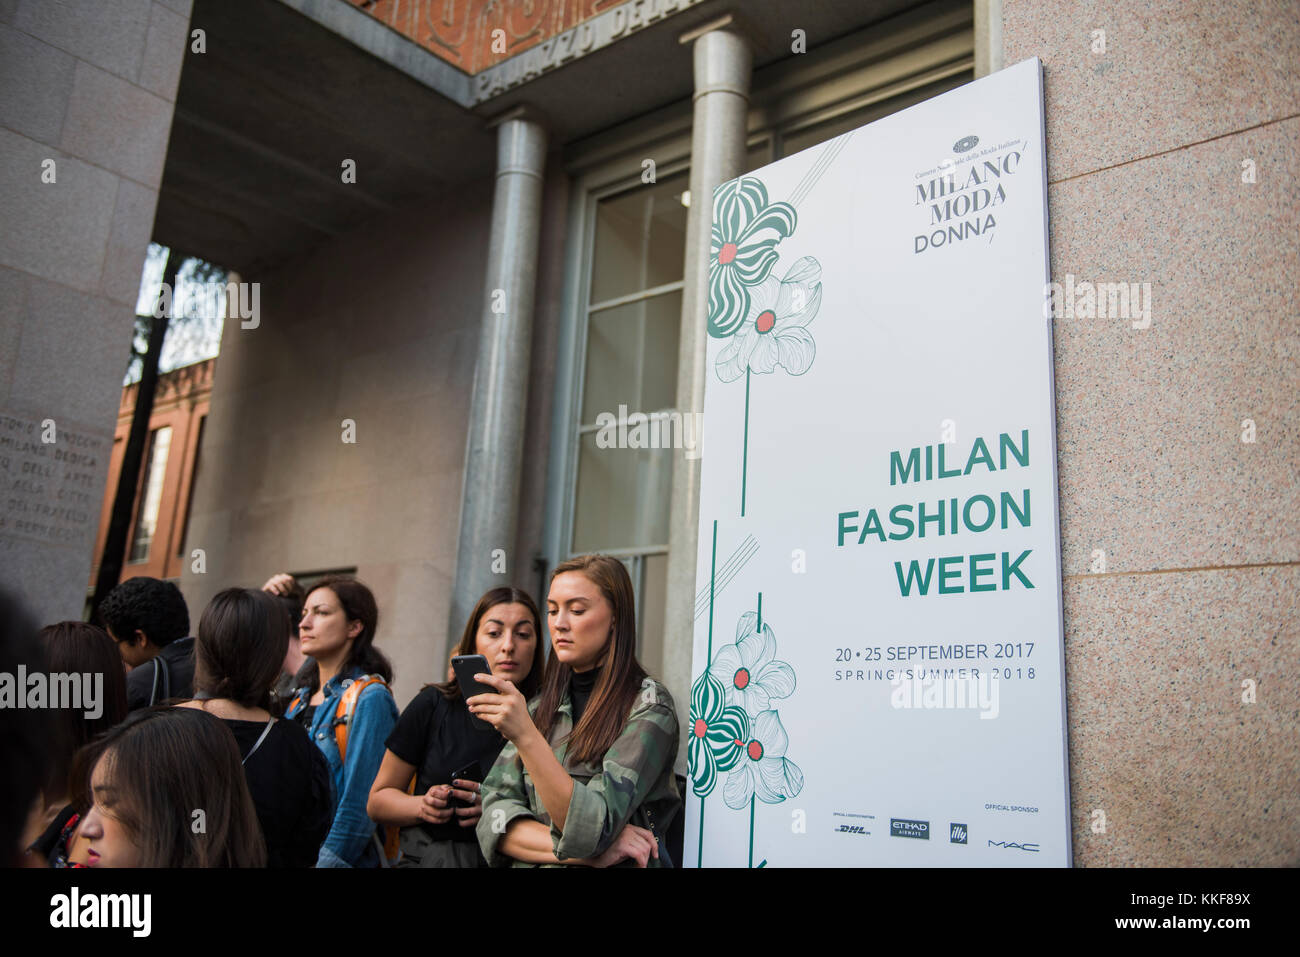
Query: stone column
pixel 722 73
pixel 988 37
pixel 494 445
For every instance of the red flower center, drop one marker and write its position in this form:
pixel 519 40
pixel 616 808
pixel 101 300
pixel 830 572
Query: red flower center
pixel 741 679
pixel 727 254
pixel 755 750
pixel 765 321
pixel 700 727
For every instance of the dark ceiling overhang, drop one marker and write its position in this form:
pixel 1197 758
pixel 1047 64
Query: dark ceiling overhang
pixel 288 90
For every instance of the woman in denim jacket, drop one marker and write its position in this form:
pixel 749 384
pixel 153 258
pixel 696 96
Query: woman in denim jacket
pixel 337 633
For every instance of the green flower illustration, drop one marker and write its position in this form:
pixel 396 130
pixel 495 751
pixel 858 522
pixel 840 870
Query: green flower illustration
pixel 717 734
pixel 775 332
pixel 742 249
pixel 733 727
pixel 748 669
pixel 765 772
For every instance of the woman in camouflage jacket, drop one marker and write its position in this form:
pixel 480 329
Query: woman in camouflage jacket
pixel 601 790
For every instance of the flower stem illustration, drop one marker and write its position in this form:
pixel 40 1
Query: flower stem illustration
pixel 713 577
pixel 735 729
pixel 751 832
pixel 764 319
pixel 744 458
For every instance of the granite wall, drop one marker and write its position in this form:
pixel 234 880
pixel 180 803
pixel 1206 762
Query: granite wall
pixel 86 100
pixel 1173 147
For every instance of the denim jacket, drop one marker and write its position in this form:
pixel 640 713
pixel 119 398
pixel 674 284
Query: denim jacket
pixel 350 842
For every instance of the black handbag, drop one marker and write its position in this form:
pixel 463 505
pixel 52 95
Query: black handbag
pixel 665 860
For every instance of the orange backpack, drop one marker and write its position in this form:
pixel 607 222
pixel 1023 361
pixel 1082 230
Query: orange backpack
pixel 343 712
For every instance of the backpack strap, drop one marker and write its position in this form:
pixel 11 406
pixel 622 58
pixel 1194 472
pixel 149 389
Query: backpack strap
pixel 159 666
pixel 258 743
pixel 347 705
pixel 388 846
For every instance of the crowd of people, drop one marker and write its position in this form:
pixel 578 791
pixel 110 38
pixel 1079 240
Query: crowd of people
pixel 271 737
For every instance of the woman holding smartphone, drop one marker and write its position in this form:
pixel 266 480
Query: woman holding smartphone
pixel 587 777
pixel 438 742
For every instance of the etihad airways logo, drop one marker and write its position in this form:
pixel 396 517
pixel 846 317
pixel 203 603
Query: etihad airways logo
pixel 899 827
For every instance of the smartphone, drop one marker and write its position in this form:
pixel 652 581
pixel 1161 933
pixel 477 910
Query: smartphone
pixel 466 667
pixel 470 772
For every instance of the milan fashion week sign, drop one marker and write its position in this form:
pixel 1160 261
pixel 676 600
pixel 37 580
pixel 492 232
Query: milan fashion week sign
pixel 878 662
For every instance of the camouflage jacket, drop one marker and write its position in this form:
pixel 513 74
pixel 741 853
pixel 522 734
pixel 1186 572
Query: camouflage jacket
pixel 633 784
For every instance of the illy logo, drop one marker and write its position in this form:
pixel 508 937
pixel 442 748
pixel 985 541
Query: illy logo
pixel 957 833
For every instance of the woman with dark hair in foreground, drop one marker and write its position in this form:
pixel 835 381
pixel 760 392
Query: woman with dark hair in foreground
pixel 165 789
pixel 75 648
pixel 241 644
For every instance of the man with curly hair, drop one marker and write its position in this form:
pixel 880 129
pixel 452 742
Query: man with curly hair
pixel 151 625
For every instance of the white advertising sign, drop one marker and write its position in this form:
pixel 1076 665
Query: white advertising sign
pixel 878 666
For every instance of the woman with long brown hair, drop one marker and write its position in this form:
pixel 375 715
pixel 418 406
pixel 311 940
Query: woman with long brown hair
pixel 599 745
pixel 437 740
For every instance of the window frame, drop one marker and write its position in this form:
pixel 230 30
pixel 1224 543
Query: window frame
pixel 598 184
pixel 149 470
pixel 905 52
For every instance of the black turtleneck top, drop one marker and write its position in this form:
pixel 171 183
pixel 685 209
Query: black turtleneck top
pixel 580 688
